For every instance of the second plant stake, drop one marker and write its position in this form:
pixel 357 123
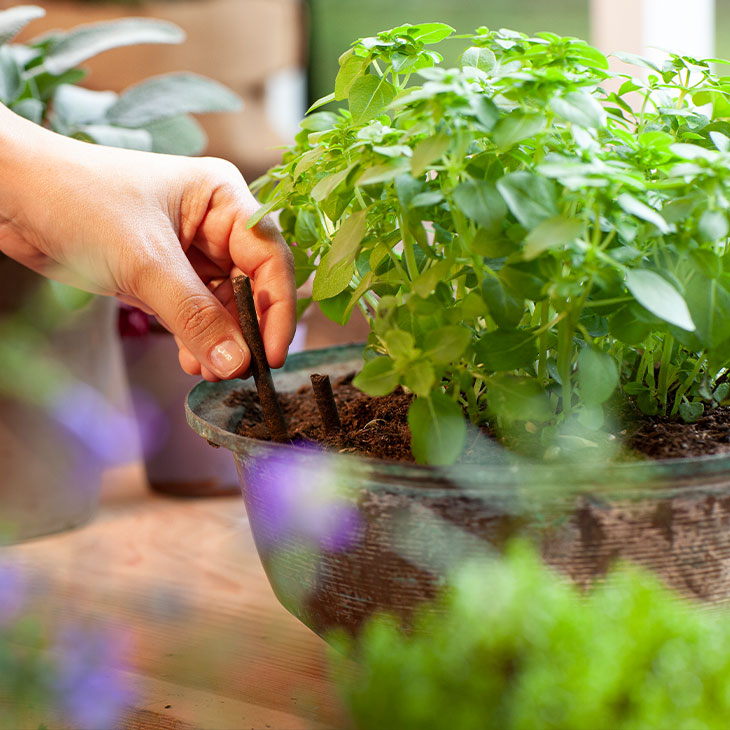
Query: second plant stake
pixel 259 364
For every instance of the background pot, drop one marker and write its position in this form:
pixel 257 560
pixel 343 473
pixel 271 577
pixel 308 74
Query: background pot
pixel 382 535
pixel 176 460
pixel 62 404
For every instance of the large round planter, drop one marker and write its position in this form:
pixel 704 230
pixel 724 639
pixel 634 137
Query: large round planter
pixel 342 536
pixel 55 442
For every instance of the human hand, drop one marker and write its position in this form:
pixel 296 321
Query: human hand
pixel 162 233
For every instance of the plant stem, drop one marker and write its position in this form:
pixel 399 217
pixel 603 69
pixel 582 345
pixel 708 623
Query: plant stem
pixel 542 345
pixel 687 384
pixel 565 361
pixel 664 371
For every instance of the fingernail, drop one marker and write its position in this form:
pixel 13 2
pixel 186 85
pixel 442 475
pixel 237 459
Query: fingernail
pixel 226 358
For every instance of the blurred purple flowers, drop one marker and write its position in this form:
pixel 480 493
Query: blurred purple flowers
pixel 88 681
pixel 296 495
pixel 12 593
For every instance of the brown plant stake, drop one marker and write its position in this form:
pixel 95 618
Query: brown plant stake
pixel 259 364
pixel 326 403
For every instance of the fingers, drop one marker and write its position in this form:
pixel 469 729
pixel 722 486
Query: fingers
pixel 201 324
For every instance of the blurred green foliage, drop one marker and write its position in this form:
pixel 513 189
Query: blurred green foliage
pixel 512 646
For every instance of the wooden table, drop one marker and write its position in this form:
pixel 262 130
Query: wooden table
pixel 210 646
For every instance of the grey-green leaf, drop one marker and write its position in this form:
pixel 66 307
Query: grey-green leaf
pixel 506 350
pixel 438 429
pixel 444 345
pixel 170 96
pixel 106 134
pixel 85 41
pixel 10 81
pixel 657 295
pixel 181 135
pixel 369 97
pixel 13 20
pixel 77 105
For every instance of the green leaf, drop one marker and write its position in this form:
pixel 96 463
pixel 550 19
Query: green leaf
pixel 420 377
pixel 331 279
pixel 327 185
pixel 378 377
pixel 632 206
pixel 516 128
pixel 337 309
pixel 306 231
pixel 170 96
pixel 597 375
pixel 552 233
pixel 400 344
pixel 713 226
pixel 352 68
pixel 427 151
pixel 691 412
pixel 531 198
pixel 78 45
pixel 657 295
pixel 505 308
pixel 506 350
pixel 369 97
pixel 445 345
pixel 580 108
pixel 337 266
pixel 14 19
pixel 323 101
pixel 481 58
pixel 438 429
pixel 430 32
pixel 513 398
pixel 708 300
pixel 383 173
pixel 480 201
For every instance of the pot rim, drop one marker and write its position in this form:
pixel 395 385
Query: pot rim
pixel 208 415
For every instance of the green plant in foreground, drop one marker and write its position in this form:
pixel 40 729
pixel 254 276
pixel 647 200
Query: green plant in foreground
pixel 526 244
pixel 513 646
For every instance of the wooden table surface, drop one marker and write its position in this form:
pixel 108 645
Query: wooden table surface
pixel 209 645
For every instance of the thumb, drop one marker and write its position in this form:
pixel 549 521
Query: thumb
pixel 192 313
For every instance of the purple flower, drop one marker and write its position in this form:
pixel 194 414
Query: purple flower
pixel 89 682
pixel 12 593
pixel 297 494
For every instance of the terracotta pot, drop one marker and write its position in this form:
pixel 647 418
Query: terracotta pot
pixel 342 536
pixel 255 47
pixel 66 422
pixel 176 460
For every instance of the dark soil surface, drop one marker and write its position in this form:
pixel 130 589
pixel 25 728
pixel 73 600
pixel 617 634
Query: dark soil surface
pixel 379 426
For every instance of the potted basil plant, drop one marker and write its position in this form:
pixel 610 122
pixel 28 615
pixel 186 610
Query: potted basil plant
pixel 538 256
pixel 62 410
